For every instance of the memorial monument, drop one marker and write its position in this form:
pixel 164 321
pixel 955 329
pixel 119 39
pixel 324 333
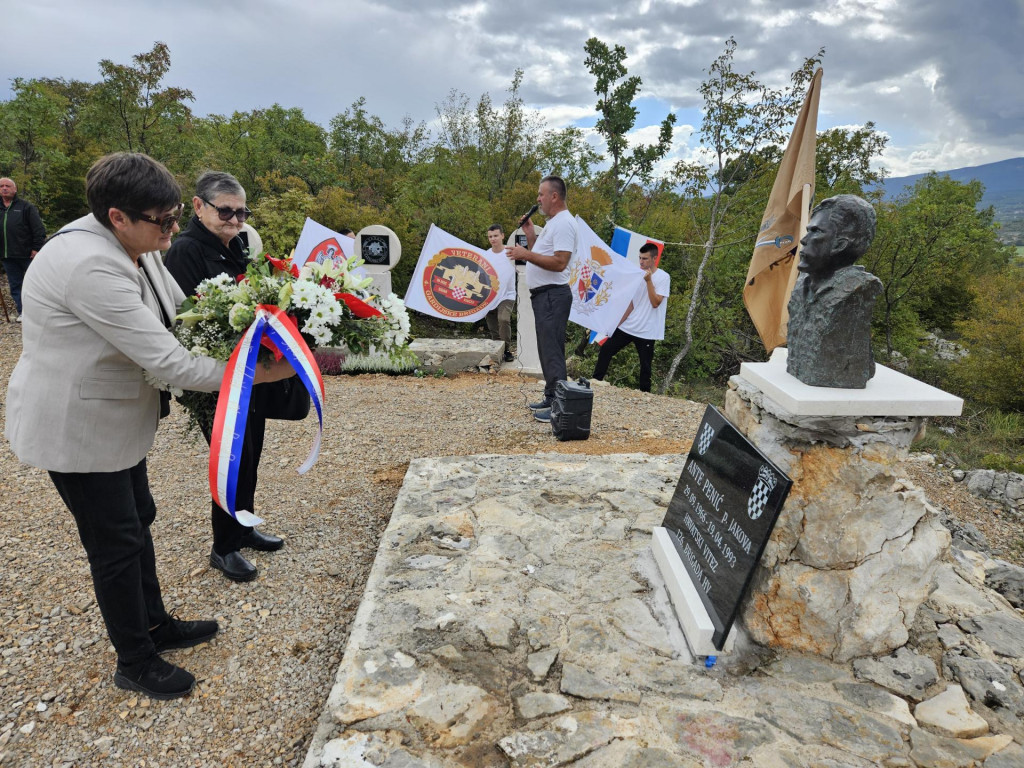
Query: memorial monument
pixel 854 550
pixel 830 308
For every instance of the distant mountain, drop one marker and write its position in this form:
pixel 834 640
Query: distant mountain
pixel 1004 191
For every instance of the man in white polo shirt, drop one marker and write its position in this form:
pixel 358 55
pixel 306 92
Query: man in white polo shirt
pixel 644 321
pixel 547 276
pixel 499 319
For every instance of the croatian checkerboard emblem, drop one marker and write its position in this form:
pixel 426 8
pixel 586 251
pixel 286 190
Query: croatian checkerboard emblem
pixel 704 440
pixel 766 482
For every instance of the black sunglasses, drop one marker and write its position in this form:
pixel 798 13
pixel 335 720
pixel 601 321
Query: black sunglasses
pixel 226 214
pixel 165 222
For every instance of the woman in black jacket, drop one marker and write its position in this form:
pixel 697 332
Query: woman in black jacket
pixel 216 243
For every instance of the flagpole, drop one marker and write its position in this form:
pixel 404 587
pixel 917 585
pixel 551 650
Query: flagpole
pixel 805 208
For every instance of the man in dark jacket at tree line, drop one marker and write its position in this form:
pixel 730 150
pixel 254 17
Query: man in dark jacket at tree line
pixel 21 235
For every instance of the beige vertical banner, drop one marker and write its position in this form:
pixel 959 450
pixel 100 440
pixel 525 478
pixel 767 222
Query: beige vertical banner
pixel 772 270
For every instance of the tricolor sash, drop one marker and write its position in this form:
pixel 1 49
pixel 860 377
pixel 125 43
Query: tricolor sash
pixel 233 402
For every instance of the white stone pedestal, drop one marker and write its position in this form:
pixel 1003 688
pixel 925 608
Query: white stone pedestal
pixel 855 549
pixel 527 359
pixel 693 616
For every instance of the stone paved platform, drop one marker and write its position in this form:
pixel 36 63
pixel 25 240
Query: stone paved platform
pixel 513 617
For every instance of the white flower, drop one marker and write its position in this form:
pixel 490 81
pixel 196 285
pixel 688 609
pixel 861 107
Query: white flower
pixel 241 316
pixel 304 294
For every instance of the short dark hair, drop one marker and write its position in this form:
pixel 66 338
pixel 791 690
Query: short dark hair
pixel 851 217
pixel 345 231
pixel 558 183
pixel 210 184
pixel 131 182
pixel 649 248
pixel 496 228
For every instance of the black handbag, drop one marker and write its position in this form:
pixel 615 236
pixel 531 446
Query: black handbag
pixel 286 399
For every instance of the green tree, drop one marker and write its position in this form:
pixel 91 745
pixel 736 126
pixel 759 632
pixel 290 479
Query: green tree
pixel 929 245
pixel 843 161
pixel 616 93
pixel 993 372
pixel 133 112
pixel 741 117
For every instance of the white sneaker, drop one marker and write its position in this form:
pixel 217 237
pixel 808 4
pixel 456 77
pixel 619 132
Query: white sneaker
pixel 18 320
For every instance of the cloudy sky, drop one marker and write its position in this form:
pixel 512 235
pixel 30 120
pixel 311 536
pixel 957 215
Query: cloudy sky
pixel 942 78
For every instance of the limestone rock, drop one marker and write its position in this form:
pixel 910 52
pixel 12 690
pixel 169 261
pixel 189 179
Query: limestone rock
pixel 577 681
pixel 540 662
pixel 538 704
pixel 454 714
pixel 816 721
pixel 497 629
pixel 563 741
pixel 714 738
pixel 1003 487
pixel 955 597
pixel 987 682
pixel 1008 580
pixel 1011 756
pixel 929 749
pixel 949 714
pixel 629 754
pixel 904 672
pixel 873 699
pixel 1001 631
pixel 631 617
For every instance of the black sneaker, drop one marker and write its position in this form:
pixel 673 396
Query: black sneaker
pixel 543 414
pixel 154 677
pixel 508 357
pixel 175 633
pixel 545 403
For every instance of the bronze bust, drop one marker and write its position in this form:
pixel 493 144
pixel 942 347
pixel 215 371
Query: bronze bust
pixel 829 333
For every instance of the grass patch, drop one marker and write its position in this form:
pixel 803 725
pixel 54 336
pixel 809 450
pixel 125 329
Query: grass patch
pixel 982 438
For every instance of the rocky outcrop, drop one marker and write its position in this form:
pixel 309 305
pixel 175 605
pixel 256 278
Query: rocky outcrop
pixel 855 549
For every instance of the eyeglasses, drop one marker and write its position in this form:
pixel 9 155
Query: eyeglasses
pixel 226 214
pixel 165 222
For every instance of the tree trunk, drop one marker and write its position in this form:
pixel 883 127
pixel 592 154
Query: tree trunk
pixel 691 312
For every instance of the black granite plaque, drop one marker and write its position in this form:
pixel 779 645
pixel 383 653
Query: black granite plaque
pixel 376 249
pixel 722 514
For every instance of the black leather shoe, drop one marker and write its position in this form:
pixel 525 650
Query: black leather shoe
pixel 234 566
pixel 540 406
pixel 175 633
pixel 154 677
pixel 261 541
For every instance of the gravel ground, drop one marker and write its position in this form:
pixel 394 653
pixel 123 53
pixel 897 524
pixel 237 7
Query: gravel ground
pixel 264 680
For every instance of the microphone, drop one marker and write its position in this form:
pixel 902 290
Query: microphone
pixel 529 213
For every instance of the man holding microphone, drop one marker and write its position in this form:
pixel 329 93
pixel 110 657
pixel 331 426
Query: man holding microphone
pixel 547 276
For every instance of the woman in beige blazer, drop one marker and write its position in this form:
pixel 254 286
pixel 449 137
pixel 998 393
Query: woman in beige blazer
pixel 97 306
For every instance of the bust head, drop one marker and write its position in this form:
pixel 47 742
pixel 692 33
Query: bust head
pixel 839 232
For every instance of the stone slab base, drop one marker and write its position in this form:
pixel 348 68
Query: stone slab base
pixel 855 550
pixel 692 615
pixel 513 618
pixel 888 393
pixel 455 355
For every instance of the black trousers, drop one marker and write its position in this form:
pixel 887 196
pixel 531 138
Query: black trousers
pixel 113 511
pixel 228 532
pixel 618 341
pixel 551 317
pixel 16 269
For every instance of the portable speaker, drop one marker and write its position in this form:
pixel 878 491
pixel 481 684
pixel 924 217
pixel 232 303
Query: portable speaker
pixel 570 410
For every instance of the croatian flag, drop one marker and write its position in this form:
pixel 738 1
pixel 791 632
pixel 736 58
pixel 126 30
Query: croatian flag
pixel 627 243
pixel 602 284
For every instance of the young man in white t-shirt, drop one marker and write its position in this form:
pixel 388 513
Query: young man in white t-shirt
pixel 499 319
pixel 644 321
pixel 547 276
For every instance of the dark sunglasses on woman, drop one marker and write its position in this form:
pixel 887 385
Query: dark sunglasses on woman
pixel 226 214
pixel 165 222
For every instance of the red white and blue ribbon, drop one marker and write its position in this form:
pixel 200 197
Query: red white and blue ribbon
pixel 236 392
